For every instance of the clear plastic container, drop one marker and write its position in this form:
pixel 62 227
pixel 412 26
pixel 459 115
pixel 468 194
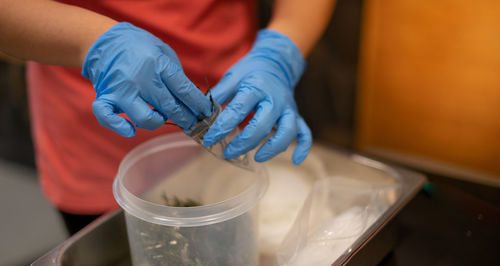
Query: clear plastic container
pixel 175 169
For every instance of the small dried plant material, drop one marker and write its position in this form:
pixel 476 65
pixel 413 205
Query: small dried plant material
pixel 230 242
pixel 176 202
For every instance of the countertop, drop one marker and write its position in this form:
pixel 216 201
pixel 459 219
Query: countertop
pixel 450 222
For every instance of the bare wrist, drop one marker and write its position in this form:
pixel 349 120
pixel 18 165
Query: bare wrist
pixel 93 34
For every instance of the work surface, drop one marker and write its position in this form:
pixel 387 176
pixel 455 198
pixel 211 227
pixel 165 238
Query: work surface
pixel 450 222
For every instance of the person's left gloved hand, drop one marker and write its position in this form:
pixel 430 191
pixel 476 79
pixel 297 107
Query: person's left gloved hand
pixel 263 81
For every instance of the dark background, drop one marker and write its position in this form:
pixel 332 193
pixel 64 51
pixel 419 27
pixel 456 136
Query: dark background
pixel 15 136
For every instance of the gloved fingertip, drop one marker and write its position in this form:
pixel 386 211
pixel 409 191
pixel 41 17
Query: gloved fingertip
pixel 262 156
pixel 184 122
pixel 230 152
pixel 213 136
pixel 209 138
pixel 260 159
pixel 297 160
pixel 128 133
pixel 207 113
pixel 207 142
pixel 208 110
pixel 154 123
pixel 298 157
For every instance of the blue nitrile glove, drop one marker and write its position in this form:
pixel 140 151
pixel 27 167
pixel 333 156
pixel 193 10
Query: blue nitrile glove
pixel 263 81
pixel 130 68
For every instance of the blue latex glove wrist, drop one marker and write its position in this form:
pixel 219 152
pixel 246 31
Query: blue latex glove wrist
pixel 263 81
pixel 130 68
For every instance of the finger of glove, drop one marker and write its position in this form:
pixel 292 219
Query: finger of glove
pixel 304 141
pixel 142 115
pixel 104 112
pixel 172 109
pixel 185 91
pixel 285 134
pixel 225 89
pixel 258 128
pixel 170 53
pixel 244 102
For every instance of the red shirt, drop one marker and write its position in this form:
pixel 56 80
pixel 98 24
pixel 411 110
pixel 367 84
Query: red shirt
pixel 77 159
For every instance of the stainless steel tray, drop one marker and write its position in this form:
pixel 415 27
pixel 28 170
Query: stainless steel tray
pixel 104 242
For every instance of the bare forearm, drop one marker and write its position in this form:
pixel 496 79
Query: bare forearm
pixel 302 21
pixel 48 31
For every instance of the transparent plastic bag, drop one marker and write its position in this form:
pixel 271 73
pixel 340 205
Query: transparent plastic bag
pixel 199 130
pixel 336 213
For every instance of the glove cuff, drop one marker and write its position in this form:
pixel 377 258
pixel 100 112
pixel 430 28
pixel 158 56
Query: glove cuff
pixel 99 47
pixel 282 50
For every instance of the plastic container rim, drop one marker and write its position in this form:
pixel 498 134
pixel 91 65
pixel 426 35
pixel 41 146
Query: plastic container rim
pixel 178 216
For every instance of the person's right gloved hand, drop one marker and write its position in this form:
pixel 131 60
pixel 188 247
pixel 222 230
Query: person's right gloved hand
pixel 130 68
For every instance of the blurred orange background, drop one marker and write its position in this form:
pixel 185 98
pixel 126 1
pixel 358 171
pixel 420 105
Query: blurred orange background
pixel 429 85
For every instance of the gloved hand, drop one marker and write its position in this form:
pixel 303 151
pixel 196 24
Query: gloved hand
pixel 263 81
pixel 130 68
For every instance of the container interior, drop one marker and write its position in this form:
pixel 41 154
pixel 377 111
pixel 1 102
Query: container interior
pixel 174 171
pixel 218 227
